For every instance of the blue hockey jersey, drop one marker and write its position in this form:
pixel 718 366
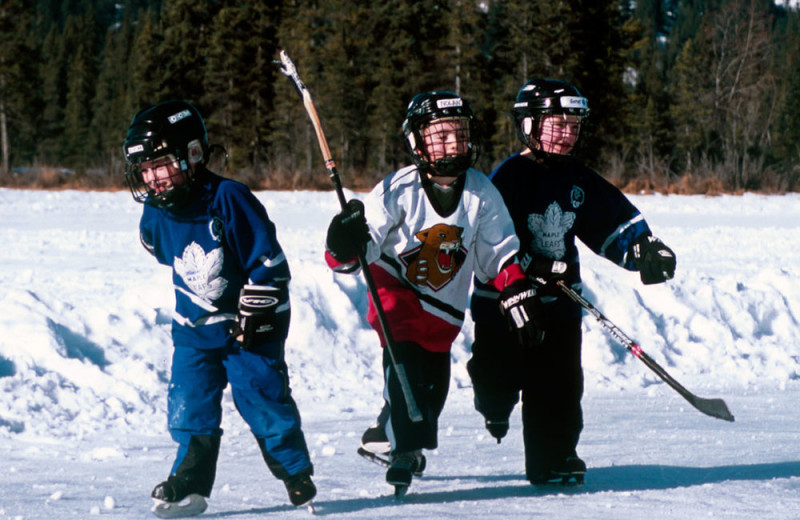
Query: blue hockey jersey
pixel 216 244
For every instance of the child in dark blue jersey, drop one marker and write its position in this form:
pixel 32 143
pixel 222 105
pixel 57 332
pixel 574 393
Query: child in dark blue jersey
pixel 553 200
pixel 231 312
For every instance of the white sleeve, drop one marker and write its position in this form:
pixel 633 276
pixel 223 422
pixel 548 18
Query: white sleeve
pixel 496 242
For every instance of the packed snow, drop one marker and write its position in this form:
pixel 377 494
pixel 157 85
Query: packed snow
pixel 85 351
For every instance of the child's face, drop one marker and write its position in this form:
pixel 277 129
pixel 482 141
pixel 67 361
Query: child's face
pixel 559 133
pixel 162 174
pixel 446 138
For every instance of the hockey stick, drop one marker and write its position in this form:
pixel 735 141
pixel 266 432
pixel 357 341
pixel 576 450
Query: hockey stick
pixel 290 71
pixel 713 407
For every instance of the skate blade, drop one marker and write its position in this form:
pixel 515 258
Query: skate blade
pixel 400 491
pixel 380 460
pixel 562 481
pixel 571 479
pixel 192 505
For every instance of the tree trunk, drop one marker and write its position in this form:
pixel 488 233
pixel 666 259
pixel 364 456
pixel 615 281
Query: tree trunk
pixel 4 130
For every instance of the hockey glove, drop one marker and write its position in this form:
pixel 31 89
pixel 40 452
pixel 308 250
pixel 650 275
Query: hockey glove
pixel 348 232
pixel 520 305
pixel 653 259
pixel 543 270
pixel 256 322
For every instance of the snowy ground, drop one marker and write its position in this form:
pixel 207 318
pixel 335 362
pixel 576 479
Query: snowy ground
pixel 84 360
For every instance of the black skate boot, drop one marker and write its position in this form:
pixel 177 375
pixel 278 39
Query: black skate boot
pixel 498 429
pixel 570 472
pixel 403 467
pixel 375 446
pixel 301 489
pixel 175 498
pixel 374 440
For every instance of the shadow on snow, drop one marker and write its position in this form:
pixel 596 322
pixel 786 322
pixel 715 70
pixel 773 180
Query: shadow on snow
pixel 599 480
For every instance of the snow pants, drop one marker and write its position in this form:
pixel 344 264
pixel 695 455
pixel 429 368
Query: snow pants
pixel 428 375
pixel 260 387
pixel 548 376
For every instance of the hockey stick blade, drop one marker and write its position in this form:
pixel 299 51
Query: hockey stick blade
pixel 712 407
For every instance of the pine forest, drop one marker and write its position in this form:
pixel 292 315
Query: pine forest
pixel 686 96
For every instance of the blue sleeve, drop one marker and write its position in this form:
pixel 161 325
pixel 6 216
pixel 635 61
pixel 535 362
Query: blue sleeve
pixel 147 237
pixel 250 235
pixel 613 223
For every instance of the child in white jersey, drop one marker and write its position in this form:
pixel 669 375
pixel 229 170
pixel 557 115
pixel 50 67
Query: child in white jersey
pixel 425 231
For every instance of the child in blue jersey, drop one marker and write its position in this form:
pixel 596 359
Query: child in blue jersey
pixel 553 200
pixel 231 307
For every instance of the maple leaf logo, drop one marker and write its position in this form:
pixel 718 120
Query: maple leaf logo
pixel 201 271
pixel 549 231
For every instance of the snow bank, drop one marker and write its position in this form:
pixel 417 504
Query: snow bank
pixel 85 312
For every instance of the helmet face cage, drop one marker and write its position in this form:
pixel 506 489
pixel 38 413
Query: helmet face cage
pixel 170 138
pixel 440 132
pixel 540 98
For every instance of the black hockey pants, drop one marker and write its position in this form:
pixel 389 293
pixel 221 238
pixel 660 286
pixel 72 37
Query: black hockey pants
pixel 428 375
pixel 549 376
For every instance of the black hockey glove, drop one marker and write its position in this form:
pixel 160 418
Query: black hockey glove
pixel 520 305
pixel 348 232
pixel 543 270
pixel 654 260
pixel 256 322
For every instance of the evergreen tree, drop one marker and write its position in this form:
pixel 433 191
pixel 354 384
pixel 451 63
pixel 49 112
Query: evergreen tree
pixel 787 130
pixel 187 31
pixel 239 79
pixel 81 74
pixel 146 69
pixel 111 104
pixel 53 71
pixel 690 107
pixel 17 69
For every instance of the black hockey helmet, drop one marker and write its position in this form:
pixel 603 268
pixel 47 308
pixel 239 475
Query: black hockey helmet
pixel 542 97
pixel 428 107
pixel 173 129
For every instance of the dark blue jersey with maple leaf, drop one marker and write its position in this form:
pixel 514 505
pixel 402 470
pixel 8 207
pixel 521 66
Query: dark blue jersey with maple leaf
pixel 554 201
pixel 217 243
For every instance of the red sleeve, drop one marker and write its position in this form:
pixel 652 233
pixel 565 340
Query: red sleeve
pixel 350 266
pixel 509 275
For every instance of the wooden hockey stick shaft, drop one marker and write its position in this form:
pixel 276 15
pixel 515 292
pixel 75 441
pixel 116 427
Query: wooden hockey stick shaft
pixel 288 68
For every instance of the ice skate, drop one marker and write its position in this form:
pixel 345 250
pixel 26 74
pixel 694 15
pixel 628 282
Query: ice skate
pixel 301 490
pixel 497 429
pixel 375 441
pixel 402 469
pixel 173 499
pixel 570 472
